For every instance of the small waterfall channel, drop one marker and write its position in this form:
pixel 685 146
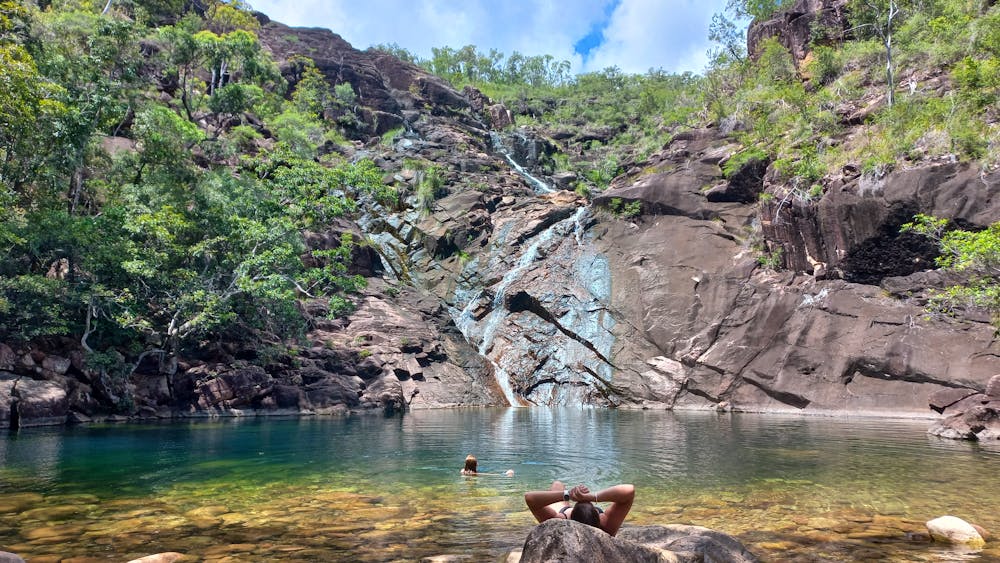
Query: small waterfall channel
pixel 484 329
pixel 539 185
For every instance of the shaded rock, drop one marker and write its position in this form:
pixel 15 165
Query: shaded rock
pixel 675 184
pixel 566 540
pixel 981 422
pixel 951 529
pixel 364 259
pixel 743 186
pixel 27 402
pixel 855 227
pixel 8 557
pixel 8 359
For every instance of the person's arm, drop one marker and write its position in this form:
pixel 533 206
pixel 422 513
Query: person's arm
pixel 539 502
pixel 621 497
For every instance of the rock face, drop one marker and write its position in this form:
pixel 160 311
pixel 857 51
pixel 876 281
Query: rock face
pixel 566 540
pixel 794 27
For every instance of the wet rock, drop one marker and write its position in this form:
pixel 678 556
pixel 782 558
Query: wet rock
pixel 951 529
pixel 168 557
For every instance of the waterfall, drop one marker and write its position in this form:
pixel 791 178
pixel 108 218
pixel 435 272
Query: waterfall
pixel 485 330
pixel 540 186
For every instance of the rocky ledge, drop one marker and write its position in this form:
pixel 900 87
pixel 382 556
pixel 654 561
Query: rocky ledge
pixel 970 415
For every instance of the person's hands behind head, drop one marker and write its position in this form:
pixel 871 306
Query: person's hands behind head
pixel 580 493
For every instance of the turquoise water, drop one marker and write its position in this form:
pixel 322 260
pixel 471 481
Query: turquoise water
pixel 368 488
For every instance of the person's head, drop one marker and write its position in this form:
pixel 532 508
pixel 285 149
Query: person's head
pixel 586 513
pixel 470 463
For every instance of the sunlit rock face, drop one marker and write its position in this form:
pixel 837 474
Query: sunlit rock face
pixel 794 27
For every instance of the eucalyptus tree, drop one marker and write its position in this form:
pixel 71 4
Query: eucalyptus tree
pixel 880 18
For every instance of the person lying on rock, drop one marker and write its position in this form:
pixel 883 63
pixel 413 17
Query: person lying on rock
pixel 472 465
pixel 555 503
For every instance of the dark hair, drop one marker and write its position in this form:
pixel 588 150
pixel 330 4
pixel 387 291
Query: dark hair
pixel 470 464
pixel 586 513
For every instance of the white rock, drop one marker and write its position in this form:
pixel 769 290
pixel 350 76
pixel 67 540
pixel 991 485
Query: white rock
pixel 952 529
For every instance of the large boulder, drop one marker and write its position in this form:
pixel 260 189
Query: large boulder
pixel 952 529
pixel 29 402
pixel 566 540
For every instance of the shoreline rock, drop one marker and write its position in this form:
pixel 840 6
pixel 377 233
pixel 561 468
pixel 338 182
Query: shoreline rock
pixel 566 540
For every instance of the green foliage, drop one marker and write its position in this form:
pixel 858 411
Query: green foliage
pixel 468 66
pixel 312 93
pixel 625 210
pixel 973 254
pixel 429 187
pixel 734 163
pixel 772 260
pixel 164 138
pixel 344 93
pixel 396 51
pixel 235 99
pixel 756 9
pixel 390 136
pixel 299 132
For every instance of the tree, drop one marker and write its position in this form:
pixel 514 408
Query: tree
pixel 880 18
pixel 756 9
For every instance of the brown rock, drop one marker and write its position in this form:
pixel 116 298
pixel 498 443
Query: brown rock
pixel 566 540
pixel 941 400
pixel 794 27
pixel 993 387
pixel 168 557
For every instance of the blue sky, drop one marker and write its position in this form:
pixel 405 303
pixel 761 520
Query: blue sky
pixel 634 35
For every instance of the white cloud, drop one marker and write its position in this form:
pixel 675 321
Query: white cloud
pixel 646 34
pixel 641 34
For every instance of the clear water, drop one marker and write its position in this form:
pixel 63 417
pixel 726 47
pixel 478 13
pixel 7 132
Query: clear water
pixel 368 488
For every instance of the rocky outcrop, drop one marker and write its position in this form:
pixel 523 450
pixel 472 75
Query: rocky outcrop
pixel 386 87
pixel 969 415
pixel 566 540
pixel 853 231
pixel 797 27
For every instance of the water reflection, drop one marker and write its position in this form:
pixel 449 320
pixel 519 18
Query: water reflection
pixel 370 488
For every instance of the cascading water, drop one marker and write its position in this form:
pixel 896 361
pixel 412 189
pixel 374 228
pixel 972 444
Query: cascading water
pixel 539 185
pixel 485 329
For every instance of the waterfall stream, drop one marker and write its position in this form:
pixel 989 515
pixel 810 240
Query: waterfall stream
pixel 484 330
pixel 539 185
